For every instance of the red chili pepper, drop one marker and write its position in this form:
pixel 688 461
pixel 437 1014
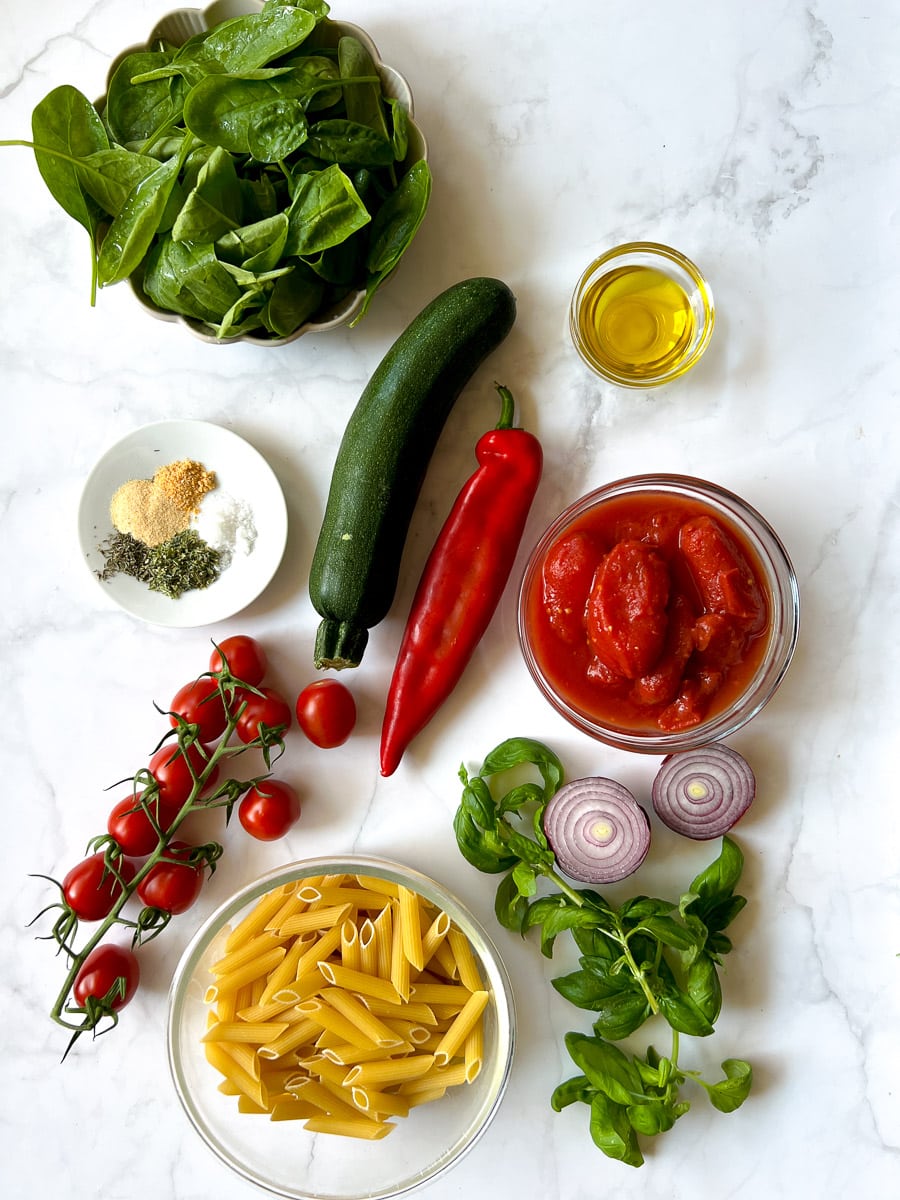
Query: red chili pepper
pixel 463 580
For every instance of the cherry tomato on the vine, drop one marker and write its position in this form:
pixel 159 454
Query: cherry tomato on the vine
pixel 245 657
pixel 129 823
pixel 269 709
pixel 199 703
pixel 169 767
pixel 172 886
pixel 107 967
pixel 269 809
pixel 326 712
pixel 91 889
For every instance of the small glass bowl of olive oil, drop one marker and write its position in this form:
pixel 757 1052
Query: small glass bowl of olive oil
pixel 641 315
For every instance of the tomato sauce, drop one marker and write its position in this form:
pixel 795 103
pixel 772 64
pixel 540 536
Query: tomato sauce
pixel 649 613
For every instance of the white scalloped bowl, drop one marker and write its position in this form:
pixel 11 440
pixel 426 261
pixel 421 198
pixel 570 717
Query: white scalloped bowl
pixel 183 23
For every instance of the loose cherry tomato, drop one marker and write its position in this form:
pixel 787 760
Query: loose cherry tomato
pixel 169 767
pixel 130 824
pixel 245 657
pixel 172 886
pixel 108 967
pixel 91 889
pixel 269 709
pixel 199 703
pixel 268 810
pixel 326 712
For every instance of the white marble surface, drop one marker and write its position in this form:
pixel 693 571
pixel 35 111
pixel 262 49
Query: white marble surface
pixel 761 140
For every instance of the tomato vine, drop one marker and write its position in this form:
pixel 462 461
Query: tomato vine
pixel 89 998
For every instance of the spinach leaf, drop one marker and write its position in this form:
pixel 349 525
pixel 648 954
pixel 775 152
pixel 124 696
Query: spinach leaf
pixel 214 205
pixel 338 140
pixel 252 40
pixel 65 127
pixel 278 128
pixel 324 211
pixel 222 110
pixel 395 226
pixel 109 176
pixel 258 247
pixel 293 300
pixel 132 231
pixel 187 278
pixel 134 111
pixel 363 101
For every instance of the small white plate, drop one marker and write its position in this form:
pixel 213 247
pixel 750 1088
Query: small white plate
pixel 241 472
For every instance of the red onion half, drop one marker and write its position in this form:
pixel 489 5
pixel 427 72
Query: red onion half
pixel 702 793
pixel 597 830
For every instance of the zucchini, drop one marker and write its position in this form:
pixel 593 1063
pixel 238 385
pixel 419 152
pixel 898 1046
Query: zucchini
pixel 383 457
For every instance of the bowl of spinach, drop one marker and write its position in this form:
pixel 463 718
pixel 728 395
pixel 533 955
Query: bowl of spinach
pixel 254 170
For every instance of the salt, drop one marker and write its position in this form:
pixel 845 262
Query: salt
pixel 226 524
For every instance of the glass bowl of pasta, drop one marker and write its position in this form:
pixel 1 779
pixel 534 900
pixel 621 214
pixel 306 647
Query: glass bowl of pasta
pixel 341 1028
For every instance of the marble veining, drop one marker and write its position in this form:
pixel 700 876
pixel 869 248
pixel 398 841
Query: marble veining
pixel 763 142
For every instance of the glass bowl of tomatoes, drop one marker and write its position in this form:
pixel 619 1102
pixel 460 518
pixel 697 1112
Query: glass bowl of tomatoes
pixel 659 613
pixel 341 1028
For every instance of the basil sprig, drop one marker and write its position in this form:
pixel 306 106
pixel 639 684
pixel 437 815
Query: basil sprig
pixel 646 958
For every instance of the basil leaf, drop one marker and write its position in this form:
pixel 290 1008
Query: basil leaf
pixel 606 1066
pixel 717 881
pixel 704 988
pixel 670 932
pixel 683 1014
pixel 731 1092
pixel 620 1014
pixel 613 1133
pixel 510 907
pixel 516 752
pixel 655 1116
pixel 576 1090
pixel 482 848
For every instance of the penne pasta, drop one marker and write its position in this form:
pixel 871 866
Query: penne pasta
pixel 314 919
pixel 245 974
pixel 467 969
pixel 371 1027
pixel 344 1002
pixel 359 981
pixel 389 1070
pixel 357 1127
pixel 462 1025
pixel 410 927
pixel 257 919
pixel 399 962
pixel 368 951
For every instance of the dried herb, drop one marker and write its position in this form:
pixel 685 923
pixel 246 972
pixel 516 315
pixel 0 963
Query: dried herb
pixel 123 555
pixel 181 564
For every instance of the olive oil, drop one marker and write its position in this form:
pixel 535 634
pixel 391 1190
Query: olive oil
pixel 636 322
